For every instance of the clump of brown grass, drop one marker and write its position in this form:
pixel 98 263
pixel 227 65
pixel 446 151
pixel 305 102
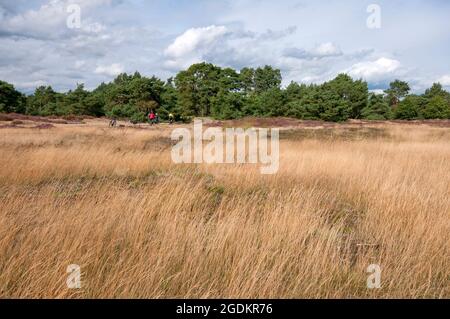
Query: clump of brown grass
pixel 139 226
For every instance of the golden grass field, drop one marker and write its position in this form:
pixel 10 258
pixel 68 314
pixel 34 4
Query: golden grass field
pixel 139 226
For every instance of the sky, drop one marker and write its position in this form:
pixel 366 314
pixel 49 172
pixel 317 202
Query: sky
pixel 42 43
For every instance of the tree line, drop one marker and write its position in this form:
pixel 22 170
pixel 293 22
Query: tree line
pixel 223 93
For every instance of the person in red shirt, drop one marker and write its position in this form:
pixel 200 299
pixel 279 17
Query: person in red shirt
pixel 151 118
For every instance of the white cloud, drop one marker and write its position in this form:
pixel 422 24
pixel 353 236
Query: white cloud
pixel 320 51
pixel 374 70
pixel 309 42
pixel 444 80
pixel 188 47
pixel 190 43
pixel 327 49
pixel 49 20
pixel 193 39
pixel 31 84
pixel 377 91
pixel 111 70
pixel 278 34
pixel 79 64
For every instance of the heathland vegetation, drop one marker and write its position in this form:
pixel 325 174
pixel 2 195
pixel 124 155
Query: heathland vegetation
pixel 138 225
pixel 223 93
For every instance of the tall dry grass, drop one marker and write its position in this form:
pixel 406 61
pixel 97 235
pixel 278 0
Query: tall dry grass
pixel 139 226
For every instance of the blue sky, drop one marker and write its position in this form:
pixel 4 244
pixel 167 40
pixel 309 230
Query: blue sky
pixel 310 41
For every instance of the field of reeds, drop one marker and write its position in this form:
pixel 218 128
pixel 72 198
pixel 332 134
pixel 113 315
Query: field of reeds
pixel 139 226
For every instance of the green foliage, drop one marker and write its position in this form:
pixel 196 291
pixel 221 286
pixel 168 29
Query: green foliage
pixel 205 89
pixel 266 79
pixel 74 101
pixel 197 86
pixel 437 108
pixel 397 90
pixel 271 103
pixel 377 109
pixel 227 105
pixel 436 90
pixel 10 99
pixel 42 102
pixel 93 104
pixel 343 98
pixel 410 108
pixel 295 91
